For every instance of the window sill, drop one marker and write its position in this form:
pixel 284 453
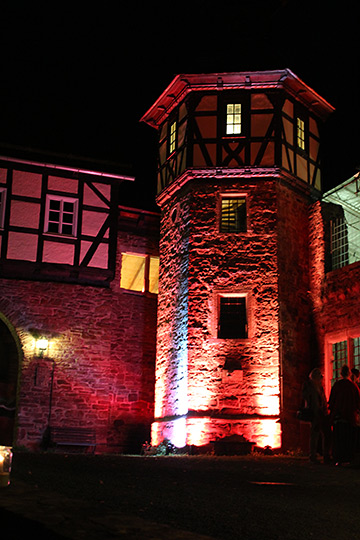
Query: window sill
pixel 139 293
pixel 59 235
pixel 302 153
pixel 243 233
pixel 227 340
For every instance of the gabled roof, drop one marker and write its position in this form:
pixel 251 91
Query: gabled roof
pixel 183 84
pixel 65 168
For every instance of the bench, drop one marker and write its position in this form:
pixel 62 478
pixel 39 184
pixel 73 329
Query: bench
pixel 73 436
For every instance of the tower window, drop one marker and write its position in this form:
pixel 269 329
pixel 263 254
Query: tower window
pixel 61 215
pixel 172 137
pixel 233 119
pixel 300 133
pixel 139 273
pixel 233 215
pixel 232 323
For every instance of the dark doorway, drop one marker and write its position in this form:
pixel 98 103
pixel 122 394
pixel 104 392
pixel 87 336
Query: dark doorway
pixel 9 368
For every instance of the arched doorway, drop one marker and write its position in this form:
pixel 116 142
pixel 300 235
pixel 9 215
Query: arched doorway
pixel 9 370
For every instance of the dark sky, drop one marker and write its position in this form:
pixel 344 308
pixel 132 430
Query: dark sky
pixel 76 80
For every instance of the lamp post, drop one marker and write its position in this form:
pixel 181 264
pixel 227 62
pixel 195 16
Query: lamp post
pixel 42 351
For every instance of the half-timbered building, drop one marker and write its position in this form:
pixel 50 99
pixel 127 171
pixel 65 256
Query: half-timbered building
pixel 76 330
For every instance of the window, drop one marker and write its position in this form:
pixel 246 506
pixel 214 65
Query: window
pixel 339 358
pixel 339 243
pixel 232 323
pixel 233 215
pixel 233 119
pixel 356 353
pixel 340 350
pixel 300 133
pixel 2 206
pixel 61 215
pixel 139 273
pixel 172 138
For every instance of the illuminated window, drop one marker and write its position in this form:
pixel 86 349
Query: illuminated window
pixel 300 137
pixel 232 323
pixel 61 215
pixel 2 206
pixel 345 350
pixel 233 215
pixel 356 353
pixel 339 243
pixel 339 358
pixel 233 119
pixel 139 273
pixel 172 138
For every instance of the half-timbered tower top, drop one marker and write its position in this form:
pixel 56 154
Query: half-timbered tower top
pixel 183 84
pixel 224 123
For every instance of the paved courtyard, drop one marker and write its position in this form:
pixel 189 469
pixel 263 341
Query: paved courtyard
pixel 251 497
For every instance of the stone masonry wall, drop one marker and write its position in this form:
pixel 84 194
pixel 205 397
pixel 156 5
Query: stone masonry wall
pixel 298 346
pixel 341 300
pixel 335 293
pixel 198 263
pixel 99 370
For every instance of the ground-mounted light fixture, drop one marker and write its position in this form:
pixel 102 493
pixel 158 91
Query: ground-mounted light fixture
pixel 5 465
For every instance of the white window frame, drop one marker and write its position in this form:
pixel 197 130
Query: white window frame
pixel 2 206
pixel 234 119
pixel 215 313
pixel 230 197
pixel 339 243
pixel 61 223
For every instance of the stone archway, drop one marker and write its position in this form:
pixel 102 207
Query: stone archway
pixel 9 371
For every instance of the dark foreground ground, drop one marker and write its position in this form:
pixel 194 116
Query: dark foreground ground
pixel 107 497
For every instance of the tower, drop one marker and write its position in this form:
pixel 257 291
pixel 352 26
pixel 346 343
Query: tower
pixel 239 164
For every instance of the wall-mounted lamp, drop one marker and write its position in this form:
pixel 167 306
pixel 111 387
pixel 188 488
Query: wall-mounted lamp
pixel 42 345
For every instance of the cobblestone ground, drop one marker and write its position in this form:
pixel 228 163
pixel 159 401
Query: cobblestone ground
pixel 102 497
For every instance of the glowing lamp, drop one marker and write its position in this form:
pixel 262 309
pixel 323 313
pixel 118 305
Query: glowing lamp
pixel 42 345
pixel 5 465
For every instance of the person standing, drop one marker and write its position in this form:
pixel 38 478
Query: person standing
pixel 314 397
pixel 344 404
pixel 355 375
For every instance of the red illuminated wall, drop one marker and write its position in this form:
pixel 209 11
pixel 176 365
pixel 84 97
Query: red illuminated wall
pixel 298 348
pixel 102 350
pixel 335 293
pixel 270 265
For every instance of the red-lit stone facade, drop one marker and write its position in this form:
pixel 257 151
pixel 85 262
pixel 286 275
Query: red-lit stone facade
pixel 224 386
pixel 335 297
pixel 124 360
pixel 98 371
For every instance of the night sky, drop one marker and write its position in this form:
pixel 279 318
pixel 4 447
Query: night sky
pixel 76 80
